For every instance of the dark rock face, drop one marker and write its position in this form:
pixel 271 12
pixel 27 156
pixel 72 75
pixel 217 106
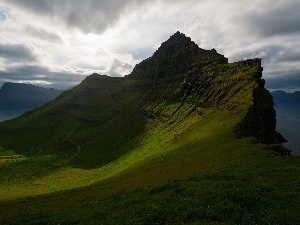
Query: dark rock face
pixel 280 138
pixel 260 121
pixel 17 96
pixel 176 55
pixel 181 71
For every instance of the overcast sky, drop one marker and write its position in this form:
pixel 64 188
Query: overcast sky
pixel 56 43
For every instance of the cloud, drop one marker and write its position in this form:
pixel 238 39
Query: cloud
pixel 16 53
pixel 119 69
pixel 280 18
pixel 23 72
pixel 110 37
pixel 269 53
pixel 284 80
pixel 32 74
pixel 43 34
pixel 88 16
pixel 290 55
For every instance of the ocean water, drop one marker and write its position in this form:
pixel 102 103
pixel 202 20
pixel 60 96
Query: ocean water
pixel 288 124
pixel 6 114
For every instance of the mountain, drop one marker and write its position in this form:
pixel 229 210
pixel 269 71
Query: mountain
pixel 282 96
pixel 177 55
pixel 119 107
pixel 185 138
pixel 20 96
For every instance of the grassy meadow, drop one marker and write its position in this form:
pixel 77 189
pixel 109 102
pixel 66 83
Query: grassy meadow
pixel 191 170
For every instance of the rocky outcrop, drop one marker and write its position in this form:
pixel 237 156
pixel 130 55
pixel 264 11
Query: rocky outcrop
pixel 176 55
pixel 208 80
pixel 181 71
pixel 280 138
pixel 260 120
pixel 19 96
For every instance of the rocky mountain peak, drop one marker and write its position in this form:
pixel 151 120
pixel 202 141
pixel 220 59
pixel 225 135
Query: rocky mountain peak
pixel 179 39
pixel 177 43
pixel 176 55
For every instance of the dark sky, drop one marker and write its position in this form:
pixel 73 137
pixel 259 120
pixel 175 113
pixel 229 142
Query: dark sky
pixel 56 43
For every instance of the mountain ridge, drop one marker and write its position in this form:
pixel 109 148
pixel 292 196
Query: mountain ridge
pixel 282 96
pixel 19 95
pixel 175 55
pixel 110 105
pixel 181 71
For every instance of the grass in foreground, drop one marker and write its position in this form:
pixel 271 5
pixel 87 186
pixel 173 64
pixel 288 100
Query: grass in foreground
pixel 243 196
pixel 193 171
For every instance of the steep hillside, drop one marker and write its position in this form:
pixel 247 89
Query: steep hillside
pixel 20 96
pixel 183 113
pixel 109 112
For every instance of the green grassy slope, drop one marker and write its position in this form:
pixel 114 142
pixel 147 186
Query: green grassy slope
pixel 156 147
pixel 203 174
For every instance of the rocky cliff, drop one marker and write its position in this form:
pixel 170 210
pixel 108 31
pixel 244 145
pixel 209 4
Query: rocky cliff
pixel 206 79
pixel 260 120
pixel 181 71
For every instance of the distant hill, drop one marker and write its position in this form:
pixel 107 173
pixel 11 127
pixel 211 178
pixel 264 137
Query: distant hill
pixel 20 96
pixel 282 96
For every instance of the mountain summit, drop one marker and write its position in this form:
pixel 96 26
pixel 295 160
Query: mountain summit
pixel 178 44
pixel 176 55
